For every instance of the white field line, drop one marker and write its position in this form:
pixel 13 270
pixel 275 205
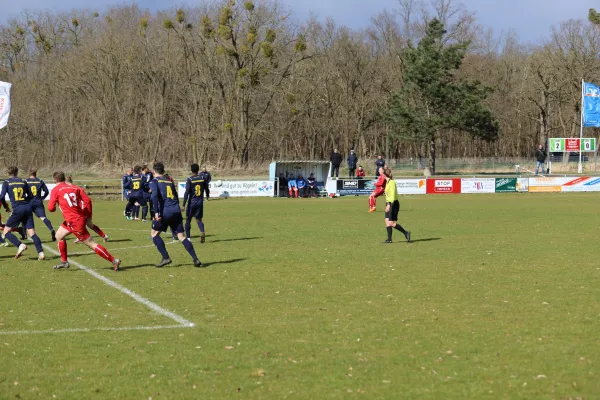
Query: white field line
pixel 142 300
pixel 77 330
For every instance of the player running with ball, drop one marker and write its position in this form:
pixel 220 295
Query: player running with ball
pixel 392 207
pixel 75 205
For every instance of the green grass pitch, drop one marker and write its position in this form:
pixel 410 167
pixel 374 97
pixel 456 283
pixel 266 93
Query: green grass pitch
pixel 497 298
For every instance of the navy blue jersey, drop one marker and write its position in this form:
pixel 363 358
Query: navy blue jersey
pixel 149 178
pixel 164 196
pixel 195 187
pixel 137 186
pixel 38 188
pixel 206 176
pixel 18 192
pixel 126 179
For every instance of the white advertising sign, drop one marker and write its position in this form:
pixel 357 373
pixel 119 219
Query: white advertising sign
pixel 582 184
pixel 547 184
pixel 478 185
pixel 411 186
pixel 4 103
pixel 522 184
pixel 236 189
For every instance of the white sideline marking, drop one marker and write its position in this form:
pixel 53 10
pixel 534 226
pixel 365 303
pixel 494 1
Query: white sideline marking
pixel 153 306
pixel 77 330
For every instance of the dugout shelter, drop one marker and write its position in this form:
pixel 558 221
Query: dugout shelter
pixel 321 170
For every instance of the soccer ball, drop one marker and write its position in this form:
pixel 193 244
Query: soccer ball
pixel 218 183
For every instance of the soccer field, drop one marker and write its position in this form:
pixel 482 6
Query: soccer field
pixel 496 298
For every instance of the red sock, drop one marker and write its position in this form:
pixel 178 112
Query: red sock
pixel 102 252
pixel 370 202
pixel 291 195
pixel 97 229
pixel 62 248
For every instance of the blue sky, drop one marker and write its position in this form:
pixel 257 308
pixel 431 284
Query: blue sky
pixel 530 19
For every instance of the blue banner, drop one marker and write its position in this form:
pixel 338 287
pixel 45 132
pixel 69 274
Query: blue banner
pixel 591 105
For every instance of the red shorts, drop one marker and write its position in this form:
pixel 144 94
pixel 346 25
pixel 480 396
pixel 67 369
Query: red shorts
pixel 378 192
pixel 77 228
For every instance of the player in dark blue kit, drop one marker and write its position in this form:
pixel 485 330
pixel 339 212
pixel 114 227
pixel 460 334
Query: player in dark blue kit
pixel 40 191
pixel 124 183
pixel 149 176
pixel 137 187
pixel 195 187
pixel 167 214
pixel 20 197
pixel 207 178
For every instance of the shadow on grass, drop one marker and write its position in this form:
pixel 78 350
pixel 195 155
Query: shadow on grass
pixel 126 267
pixel 425 240
pixel 198 236
pixel 234 240
pixel 110 240
pixel 234 260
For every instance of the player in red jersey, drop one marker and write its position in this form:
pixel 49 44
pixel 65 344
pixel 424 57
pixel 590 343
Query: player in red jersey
pixel 379 190
pixel 75 206
pixel 88 215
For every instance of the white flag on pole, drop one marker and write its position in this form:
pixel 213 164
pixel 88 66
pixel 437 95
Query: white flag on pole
pixel 4 103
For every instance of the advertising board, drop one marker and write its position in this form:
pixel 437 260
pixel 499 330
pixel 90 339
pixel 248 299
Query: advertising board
pixel 582 184
pixel 506 185
pixel 478 185
pixel 443 186
pixel 411 186
pixel 236 189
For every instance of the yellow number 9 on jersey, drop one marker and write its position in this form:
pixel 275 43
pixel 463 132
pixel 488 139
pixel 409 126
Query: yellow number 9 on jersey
pixel 197 190
pixel 34 190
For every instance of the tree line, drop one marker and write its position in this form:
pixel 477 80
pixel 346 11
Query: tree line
pixel 243 83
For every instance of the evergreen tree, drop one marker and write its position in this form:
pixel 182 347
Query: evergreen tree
pixel 594 16
pixel 432 99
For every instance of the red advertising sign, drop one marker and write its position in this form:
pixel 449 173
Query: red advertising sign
pixel 443 186
pixel 572 145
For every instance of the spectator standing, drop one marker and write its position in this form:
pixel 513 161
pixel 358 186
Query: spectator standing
pixel 540 156
pixel 336 161
pixel 282 183
pixel 205 175
pixel 360 172
pixel 352 162
pixel 379 163
pixel 311 184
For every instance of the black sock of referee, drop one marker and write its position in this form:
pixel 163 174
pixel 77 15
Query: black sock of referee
pixel 389 231
pixel 400 228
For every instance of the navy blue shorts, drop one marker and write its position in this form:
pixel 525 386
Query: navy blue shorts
pixel 195 211
pixel 173 221
pixel 21 215
pixel 38 209
pixel 137 199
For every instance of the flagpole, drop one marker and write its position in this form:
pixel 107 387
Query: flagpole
pixel 580 167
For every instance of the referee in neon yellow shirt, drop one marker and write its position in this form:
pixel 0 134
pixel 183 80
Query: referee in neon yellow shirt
pixel 392 207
